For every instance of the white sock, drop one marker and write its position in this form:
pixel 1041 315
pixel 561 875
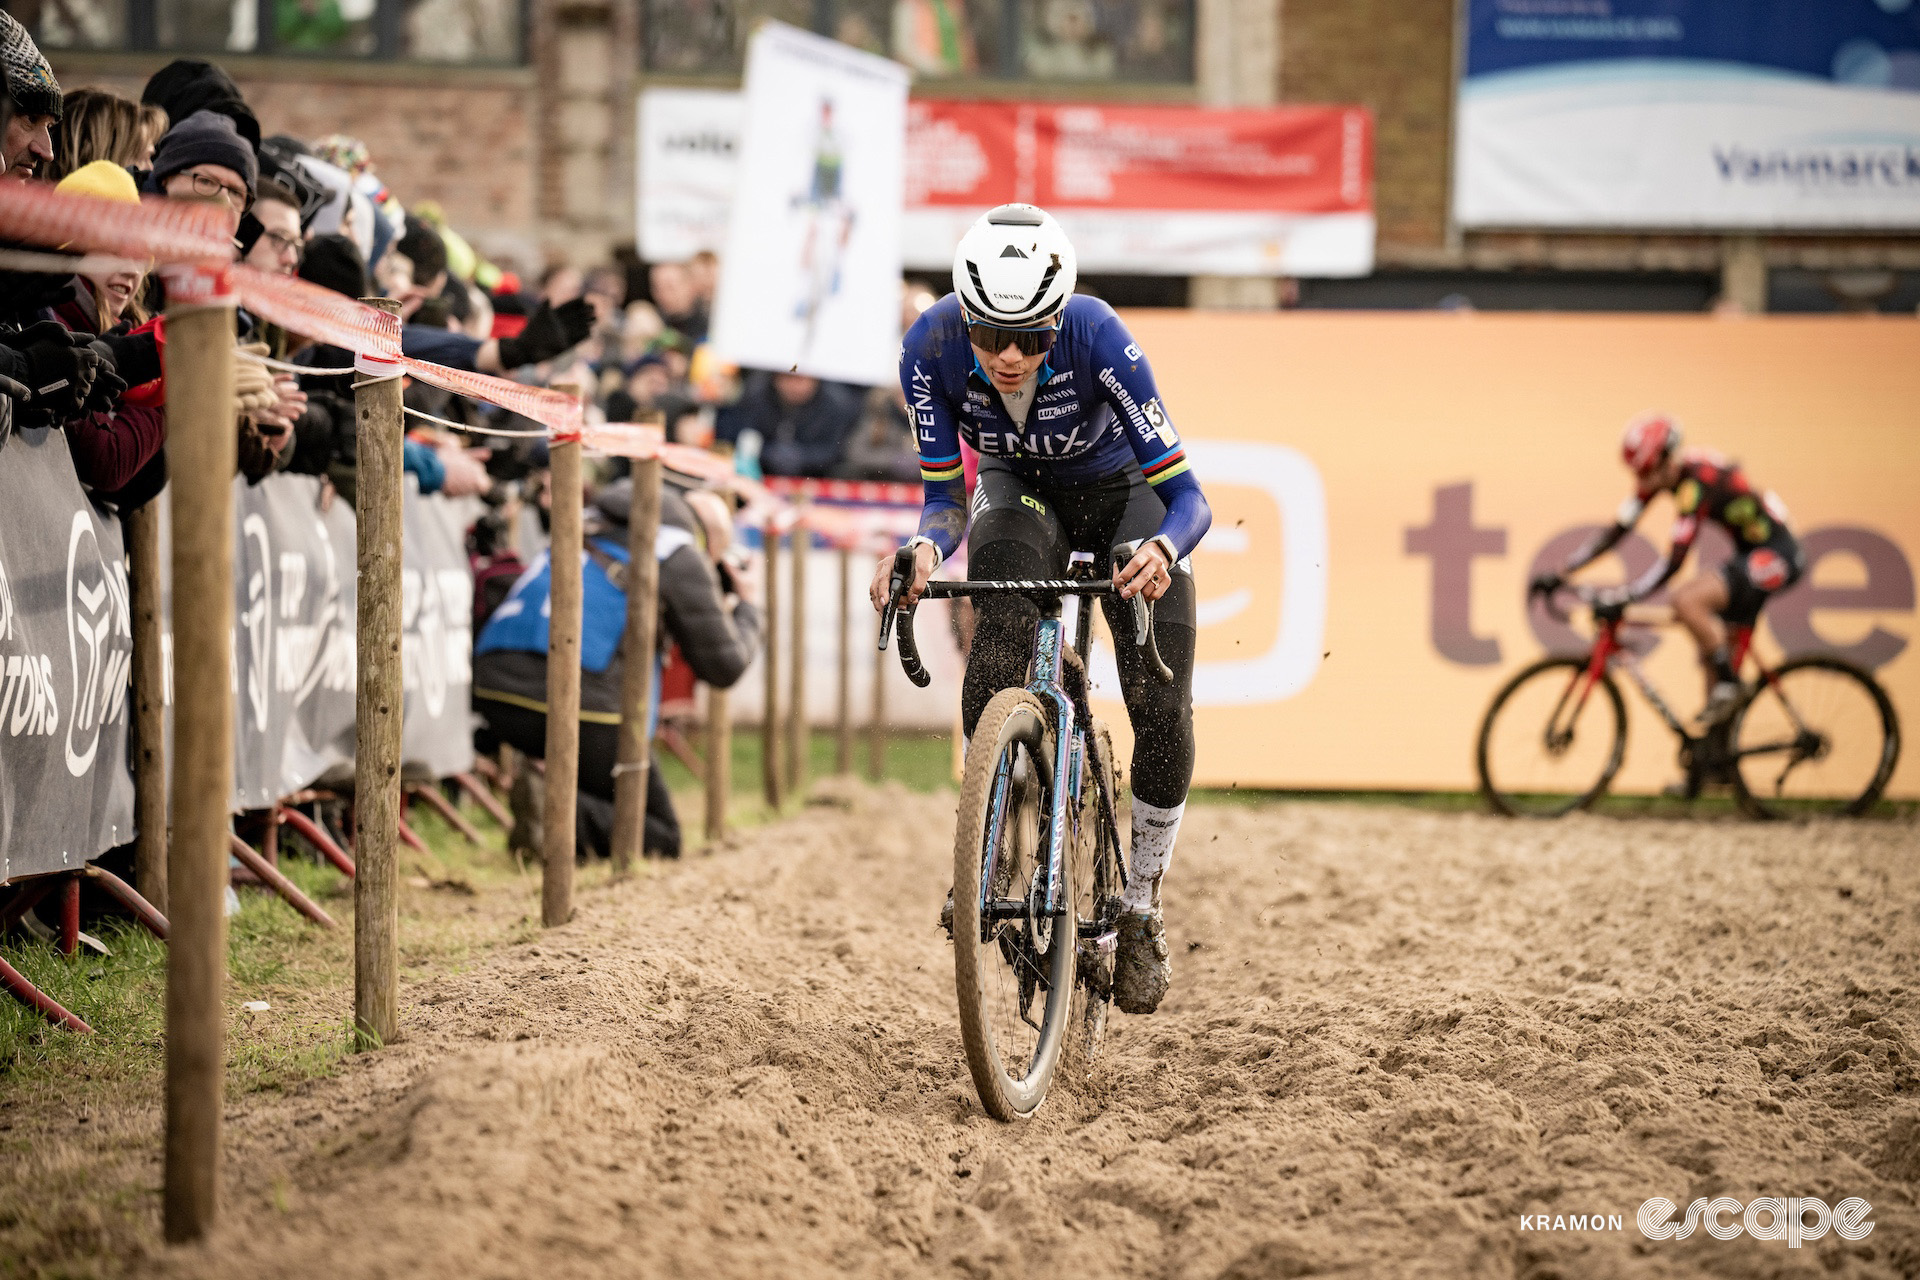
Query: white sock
pixel 1154 831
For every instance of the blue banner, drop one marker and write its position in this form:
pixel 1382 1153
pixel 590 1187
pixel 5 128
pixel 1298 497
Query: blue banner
pixel 1690 113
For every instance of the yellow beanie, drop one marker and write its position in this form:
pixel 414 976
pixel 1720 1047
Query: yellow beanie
pixel 103 179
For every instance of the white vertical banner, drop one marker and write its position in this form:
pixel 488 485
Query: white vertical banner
pixel 689 161
pixel 810 276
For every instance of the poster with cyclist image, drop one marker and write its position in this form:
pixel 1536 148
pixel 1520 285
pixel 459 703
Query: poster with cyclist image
pixel 810 279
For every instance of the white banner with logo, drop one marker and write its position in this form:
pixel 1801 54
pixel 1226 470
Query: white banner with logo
pixel 688 159
pixel 810 277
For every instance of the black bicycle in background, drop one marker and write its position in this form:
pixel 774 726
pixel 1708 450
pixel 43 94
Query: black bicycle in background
pixel 1038 868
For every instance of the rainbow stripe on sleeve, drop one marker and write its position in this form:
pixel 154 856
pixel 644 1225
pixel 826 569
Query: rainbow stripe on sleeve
pixel 940 470
pixel 1169 465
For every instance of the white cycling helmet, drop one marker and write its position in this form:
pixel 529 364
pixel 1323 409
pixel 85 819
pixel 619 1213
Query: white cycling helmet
pixel 1014 267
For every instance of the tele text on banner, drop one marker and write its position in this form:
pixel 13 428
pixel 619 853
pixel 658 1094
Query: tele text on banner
pixel 1385 487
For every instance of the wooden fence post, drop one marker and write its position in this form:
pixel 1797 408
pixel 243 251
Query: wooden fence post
pixel 637 659
pixel 563 683
pixel 379 702
pixel 201 445
pixel 843 710
pixel 798 737
pixel 719 776
pixel 149 707
pixel 770 654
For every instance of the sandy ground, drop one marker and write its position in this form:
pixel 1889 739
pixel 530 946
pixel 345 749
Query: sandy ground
pixel 1393 1033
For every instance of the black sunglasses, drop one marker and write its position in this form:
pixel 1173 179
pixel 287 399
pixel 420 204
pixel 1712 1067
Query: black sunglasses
pixel 991 337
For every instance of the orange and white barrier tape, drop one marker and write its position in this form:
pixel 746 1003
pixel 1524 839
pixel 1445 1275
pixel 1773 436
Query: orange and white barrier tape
pixel 171 231
pixel 189 239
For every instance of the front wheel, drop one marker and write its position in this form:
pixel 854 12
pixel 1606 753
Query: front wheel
pixel 1549 745
pixel 1816 737
pixel 1013 965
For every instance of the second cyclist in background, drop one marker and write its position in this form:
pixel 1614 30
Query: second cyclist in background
pixel 1705 486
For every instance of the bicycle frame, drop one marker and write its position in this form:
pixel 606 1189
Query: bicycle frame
pixel 1049 685
pixel 1070 736
pixel 1609 651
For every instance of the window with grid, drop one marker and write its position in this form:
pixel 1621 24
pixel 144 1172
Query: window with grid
pixel 470 32
pixel 1052 40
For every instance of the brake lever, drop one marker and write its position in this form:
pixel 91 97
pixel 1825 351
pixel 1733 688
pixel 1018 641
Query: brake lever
pixel 1143 619
pixel 897 585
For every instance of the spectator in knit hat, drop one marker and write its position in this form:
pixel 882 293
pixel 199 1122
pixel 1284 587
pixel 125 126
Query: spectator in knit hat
pixel 204 157
pixel 36 104
pixel 188 85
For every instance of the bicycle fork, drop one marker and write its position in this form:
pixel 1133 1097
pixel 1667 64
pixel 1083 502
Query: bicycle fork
pixel 1065 791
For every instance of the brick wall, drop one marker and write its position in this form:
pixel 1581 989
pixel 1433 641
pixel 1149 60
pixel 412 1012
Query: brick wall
pixel 466 141
pixel 1396 58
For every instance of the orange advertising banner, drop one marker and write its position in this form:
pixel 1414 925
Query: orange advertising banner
pixel 1384 486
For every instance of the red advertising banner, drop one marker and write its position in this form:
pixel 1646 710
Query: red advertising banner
pixel 1158 189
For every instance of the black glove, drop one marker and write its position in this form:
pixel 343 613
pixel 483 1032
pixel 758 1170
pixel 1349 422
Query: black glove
pixel 13 390
pixel 550 331
pixel 108 385
pixel 61 368
pixel 1544 584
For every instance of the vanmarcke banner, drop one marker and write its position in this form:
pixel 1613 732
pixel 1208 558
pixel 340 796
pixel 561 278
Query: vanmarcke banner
pixel 66 643
pixel 1690 113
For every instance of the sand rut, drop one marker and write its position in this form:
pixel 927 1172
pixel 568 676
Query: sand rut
pixel 1392 1034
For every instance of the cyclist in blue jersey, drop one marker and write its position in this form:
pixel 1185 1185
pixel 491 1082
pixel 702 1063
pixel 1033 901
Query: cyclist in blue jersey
pixel 1077 453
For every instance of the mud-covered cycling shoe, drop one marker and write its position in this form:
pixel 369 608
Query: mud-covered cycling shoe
pixel 1142 970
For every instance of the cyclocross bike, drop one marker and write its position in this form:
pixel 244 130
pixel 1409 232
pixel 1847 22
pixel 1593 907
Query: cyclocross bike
pixel 1037 865
pixel 1813 736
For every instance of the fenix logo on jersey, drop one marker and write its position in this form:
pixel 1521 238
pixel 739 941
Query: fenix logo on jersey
pixel 922 396
pixel 1036 444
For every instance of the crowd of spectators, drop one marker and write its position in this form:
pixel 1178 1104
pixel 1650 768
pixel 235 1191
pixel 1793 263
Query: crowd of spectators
pixel 82 350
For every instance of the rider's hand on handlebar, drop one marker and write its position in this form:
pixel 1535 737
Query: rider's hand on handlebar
pixel 1148 574
pixel 925 561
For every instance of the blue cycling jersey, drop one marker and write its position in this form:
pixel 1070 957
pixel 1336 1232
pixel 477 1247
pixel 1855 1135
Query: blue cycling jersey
pixel 1095 409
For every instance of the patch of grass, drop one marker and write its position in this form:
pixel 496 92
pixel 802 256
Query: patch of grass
pixel 303 972
pixel 920 761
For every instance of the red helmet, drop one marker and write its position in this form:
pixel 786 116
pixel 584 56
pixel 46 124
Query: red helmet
pixel 1648 440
